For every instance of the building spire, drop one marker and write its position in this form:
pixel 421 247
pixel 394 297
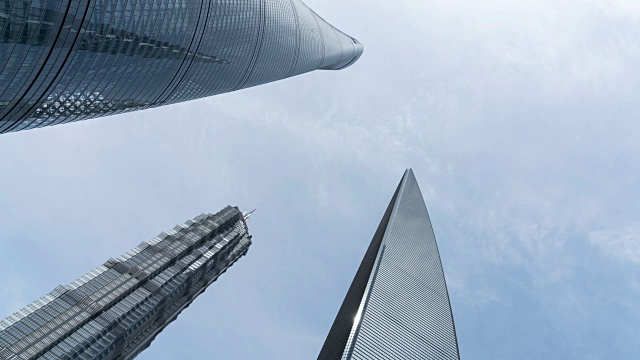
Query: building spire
pixel 247 214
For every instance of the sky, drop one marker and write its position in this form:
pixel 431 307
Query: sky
pixel 519 120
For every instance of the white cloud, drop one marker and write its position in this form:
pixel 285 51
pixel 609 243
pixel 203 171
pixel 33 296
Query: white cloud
pixel 619 243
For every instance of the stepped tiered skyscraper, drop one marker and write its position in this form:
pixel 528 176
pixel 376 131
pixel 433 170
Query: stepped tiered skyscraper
pixel 70 60
pixel 116 310
pixel 397 306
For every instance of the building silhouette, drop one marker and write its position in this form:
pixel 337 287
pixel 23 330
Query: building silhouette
pixel 397 306
pixel 70 60
pixel 116 310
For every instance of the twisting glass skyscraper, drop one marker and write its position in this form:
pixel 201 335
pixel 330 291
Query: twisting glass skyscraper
pixel 397 306
pixel 69 60
pixel 116 310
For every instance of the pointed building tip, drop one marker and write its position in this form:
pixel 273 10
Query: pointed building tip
pixel 404 176
pixel 411 253
pixel 408 177
pixel 410 172
pixel 407 172
pixel 247 214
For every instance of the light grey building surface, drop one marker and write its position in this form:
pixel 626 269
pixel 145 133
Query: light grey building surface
pixel 70 60
pixel 116 310
pixel 397 306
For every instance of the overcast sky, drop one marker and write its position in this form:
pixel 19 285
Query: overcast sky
pixel 519 120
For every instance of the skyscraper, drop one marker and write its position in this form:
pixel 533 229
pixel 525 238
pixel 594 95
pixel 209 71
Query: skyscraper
pixel 116 310
pixel 70 60
pixel 397 306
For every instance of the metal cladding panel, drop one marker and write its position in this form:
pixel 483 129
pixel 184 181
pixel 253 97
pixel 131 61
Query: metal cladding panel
pixel 70 60
pixel 405 311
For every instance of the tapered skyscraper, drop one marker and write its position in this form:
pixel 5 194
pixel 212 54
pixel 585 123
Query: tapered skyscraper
pixel 116 310
pixel 397 306
pixel 70 60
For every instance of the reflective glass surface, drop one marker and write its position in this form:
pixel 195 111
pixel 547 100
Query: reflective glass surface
pixel 403 311
pixel 116 310
pixel 69 60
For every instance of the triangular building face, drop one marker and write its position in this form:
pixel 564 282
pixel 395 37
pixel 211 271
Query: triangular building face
pixel 397 306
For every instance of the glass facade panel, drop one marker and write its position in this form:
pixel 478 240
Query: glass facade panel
pixel 397 306
pixel 70 60
pixel 136 298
